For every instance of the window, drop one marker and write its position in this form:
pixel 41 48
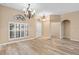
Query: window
pixel 12 32
pixel 17 30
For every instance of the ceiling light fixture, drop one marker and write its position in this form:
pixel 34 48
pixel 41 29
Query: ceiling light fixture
pixel 28 12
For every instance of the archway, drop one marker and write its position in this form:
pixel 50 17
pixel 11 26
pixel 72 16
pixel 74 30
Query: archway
pixel 66 29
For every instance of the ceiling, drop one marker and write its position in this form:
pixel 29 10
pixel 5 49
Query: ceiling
pixel 47 8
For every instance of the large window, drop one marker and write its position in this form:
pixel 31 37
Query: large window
pixel 17 30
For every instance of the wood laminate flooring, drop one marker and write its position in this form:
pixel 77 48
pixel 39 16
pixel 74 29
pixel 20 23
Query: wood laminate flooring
pixel 41 47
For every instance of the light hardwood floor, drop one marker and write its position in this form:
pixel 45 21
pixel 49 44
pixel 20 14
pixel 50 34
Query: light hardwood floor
pixel 41 47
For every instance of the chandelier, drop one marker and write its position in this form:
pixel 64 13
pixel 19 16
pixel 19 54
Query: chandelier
pixel 28 12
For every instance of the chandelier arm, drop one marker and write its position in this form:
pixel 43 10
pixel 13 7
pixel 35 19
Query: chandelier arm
pixel 28 12
pixel 28 7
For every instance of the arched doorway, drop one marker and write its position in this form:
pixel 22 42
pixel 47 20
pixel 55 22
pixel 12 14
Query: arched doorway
pixel 66 29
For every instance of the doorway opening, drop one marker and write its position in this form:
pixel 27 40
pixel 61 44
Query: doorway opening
pixel 66 29
pixel 38 28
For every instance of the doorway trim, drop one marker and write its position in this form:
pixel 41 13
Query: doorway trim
pixel 63 29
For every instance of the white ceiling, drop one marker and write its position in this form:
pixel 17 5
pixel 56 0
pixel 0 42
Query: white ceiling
pixel 47 8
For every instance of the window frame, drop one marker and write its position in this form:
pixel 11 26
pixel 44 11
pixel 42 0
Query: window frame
pixel 15 30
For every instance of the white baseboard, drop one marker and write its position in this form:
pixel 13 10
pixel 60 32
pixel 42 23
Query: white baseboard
pixel 16 41
pixel 10 42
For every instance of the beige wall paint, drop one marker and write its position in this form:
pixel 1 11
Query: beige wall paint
pixel 74 28
pixel 55 25
pixel 73 33
pixel 55 18
pixel 52 25
pixel 6 16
